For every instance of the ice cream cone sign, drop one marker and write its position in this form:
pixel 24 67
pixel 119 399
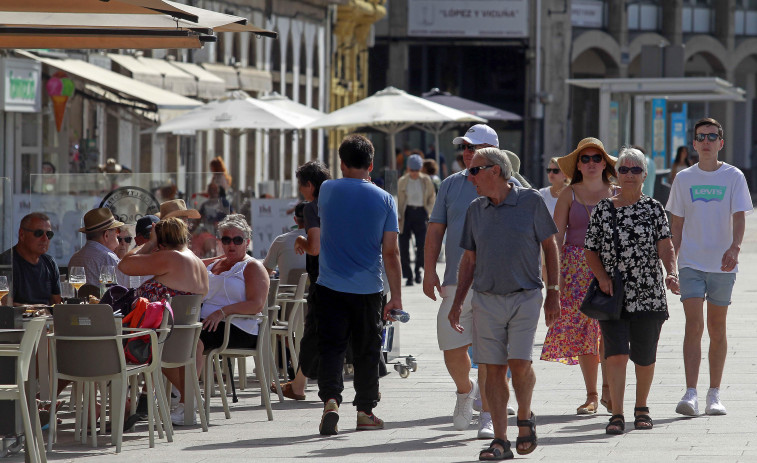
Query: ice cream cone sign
pixel 60 88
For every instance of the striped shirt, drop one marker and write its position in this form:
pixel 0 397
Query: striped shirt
pixel 93 256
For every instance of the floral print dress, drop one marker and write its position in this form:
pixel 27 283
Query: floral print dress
pixel 640 226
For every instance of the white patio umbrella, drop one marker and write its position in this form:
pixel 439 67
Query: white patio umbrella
pixel 283 102
pixel 236 113
pixel 391 111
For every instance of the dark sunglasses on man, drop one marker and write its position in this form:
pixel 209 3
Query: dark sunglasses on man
pixel 475 170
pixel 595 158
pixel 39 232
pixel 709 136
pixel 125 238
pixel 237 240
pixel 466 146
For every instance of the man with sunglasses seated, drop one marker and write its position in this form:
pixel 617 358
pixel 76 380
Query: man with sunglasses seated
pixel 36 278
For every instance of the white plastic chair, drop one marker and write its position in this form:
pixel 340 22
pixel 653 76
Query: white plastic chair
pixel 35 445
pixel 86 348
pixel 180 349
pixel 288 327
pixel 261 353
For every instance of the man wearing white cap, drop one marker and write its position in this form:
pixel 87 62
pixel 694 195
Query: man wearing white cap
pixel 452 201
pixel 415 200
pixel 101 229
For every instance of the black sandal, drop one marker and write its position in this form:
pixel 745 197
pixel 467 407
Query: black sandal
pixel 497 454
pixel 643 421
pixel 619 421
pixel 530 439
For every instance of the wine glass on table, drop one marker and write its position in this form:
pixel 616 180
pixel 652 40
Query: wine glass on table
pixel 77 277
pixel 66 291
pixel 4 289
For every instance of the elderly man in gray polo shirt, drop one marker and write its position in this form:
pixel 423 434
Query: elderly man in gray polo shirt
pixel 505 229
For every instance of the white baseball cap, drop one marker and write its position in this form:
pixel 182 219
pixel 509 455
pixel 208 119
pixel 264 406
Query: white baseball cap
pixel 479 134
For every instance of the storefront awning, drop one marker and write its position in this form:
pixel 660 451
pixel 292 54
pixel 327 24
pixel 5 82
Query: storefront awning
pixel 209 86
pixel 157 72
pixel 255 80
pixel 227 73
pixel 119 87
pixel 248 79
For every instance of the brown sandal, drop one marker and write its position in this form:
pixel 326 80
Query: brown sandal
pixel 606 403
pixel 591 406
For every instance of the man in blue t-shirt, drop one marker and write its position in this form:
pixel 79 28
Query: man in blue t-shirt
pixel 36 278
pixel 358 228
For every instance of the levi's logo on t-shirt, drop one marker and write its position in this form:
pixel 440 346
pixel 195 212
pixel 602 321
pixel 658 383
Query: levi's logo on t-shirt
pixel 707 193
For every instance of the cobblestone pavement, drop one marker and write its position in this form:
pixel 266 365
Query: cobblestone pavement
pixel 417 410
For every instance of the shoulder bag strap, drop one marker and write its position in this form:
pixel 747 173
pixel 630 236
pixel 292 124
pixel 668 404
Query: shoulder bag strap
pixel 615 237
pixel 581 202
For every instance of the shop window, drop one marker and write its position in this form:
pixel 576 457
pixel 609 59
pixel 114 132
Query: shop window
pixel 587 13
pixel 644 16
pixel 697 17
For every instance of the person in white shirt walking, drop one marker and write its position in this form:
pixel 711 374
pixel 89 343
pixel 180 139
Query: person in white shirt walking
pixel 708 203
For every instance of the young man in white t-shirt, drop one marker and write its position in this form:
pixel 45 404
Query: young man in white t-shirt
pixel 708 203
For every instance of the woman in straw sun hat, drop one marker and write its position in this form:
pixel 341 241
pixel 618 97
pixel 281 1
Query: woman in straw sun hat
pixel 574 338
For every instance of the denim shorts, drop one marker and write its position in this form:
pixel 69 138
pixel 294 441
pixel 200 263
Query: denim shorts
pixel 715 287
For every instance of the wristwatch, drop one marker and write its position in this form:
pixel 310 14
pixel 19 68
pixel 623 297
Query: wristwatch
pixel 555 287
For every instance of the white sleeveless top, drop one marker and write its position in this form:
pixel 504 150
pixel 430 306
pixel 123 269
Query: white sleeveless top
pixel 225 289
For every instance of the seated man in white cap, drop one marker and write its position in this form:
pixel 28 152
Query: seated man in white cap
pixel 101 229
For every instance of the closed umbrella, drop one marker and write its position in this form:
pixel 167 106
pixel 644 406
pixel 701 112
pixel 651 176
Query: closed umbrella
pixel 391 111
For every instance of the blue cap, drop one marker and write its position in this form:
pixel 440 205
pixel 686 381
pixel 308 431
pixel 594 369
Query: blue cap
pixel 144 225
pixel 414 162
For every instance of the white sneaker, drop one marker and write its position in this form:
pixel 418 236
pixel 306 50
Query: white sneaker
pixel 177 416
pixel 689 404
pixel 175 398
pixel 510 410
pixel 485 426
pixel 714 405
pixel 463 413
pixel 477 404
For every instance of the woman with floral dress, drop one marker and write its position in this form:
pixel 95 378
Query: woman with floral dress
pixel 643 240
pixel 574 338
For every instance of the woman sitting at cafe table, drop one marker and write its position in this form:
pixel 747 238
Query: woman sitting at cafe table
pixel 238 284
pixel 643 240
pixel 175 269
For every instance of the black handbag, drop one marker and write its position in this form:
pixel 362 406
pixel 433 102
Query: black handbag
pixel 597 304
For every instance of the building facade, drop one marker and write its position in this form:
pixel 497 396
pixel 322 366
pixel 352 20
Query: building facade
pixel 527 67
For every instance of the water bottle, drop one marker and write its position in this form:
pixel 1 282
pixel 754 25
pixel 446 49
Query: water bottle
pixel 387 337
pixel 399 315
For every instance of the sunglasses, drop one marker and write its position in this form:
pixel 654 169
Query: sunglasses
pixel 125 238
pixel 596 158
pixel 466 146
pixel 227 240
pixel 39 232
pixel 553 171
pixel 634 170
pixel 700 137
pixel 475 170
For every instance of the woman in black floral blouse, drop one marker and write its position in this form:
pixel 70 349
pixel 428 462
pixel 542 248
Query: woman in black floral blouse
pixel 644 239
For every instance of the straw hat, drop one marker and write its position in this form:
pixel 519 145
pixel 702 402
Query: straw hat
pixel 177 208
pixel 99 219
pixel 568 163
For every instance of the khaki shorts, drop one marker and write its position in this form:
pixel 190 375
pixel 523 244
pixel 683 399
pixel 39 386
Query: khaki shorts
pixel 505 325
pixel 447 337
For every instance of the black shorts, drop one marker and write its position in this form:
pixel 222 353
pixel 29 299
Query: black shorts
pixel 238 338
pixel 635 337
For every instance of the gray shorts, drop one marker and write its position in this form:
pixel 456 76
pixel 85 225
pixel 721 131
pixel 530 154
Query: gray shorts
pixel 504 326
